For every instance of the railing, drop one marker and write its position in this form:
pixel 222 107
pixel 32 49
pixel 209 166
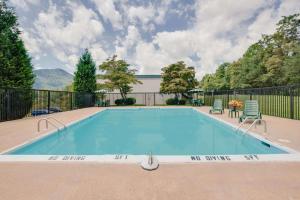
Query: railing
pixel 241 124
pixel 47 120
pixel 16 103
pixel 142 98
pixel 283 101
pixel 252 124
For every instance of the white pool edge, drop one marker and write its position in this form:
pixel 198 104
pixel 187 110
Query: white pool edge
pixel 292 156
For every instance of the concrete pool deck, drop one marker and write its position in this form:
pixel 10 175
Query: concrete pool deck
pixel 267 180
pixel 283 131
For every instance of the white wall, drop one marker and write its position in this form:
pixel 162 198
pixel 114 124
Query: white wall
pixel 148 85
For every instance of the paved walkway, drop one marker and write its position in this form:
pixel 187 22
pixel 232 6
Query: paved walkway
pixel 280 130
pixel 265 180
pixel 16 132
pixel 234 181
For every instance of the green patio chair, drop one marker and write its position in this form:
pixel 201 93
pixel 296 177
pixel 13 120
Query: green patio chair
pixel 107 103
pixel 197 102
pixel 217 107
pixel 251 111
pixel 101 103
pixel 200 102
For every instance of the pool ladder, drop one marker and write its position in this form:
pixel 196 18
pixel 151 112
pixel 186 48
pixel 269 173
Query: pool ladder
pixel 47 120
pixel 253 124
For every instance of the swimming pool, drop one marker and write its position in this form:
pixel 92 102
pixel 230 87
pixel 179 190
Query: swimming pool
pixel 138 131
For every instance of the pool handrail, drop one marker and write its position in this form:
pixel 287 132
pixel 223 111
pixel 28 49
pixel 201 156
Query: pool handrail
pixel 47 120
pixel 240 126
pixel 255 122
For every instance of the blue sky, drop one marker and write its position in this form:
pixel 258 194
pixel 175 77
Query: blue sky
pixel 147 34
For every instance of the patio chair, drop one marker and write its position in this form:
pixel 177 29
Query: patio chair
pixel 101 103
pixel 197 102
pixel 251 111
pixel 217 107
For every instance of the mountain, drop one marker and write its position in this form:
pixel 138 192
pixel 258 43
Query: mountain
pixel 52 79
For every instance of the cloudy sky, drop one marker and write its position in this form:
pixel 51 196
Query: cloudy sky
pixel 147 34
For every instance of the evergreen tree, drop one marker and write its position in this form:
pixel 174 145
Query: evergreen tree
pixel 15 63
pixel 85 76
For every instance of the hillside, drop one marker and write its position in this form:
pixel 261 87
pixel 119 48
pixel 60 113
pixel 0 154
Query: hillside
pixel 53 79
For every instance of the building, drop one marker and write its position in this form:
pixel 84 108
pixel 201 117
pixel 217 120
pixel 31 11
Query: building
pixel 150 84
pixel 146 93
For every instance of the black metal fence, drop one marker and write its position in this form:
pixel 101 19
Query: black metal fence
pixel 143 99
pixel 275 101
pixel 16 103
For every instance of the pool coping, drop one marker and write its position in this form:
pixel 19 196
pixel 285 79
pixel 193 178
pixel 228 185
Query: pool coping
pixel 292 156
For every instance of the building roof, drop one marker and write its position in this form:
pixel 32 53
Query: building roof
pixel 148 76
pixel 99 76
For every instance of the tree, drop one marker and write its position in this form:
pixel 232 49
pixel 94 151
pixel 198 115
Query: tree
pixel 15 63
pixel 208 82
pixel 85 76
pixel 252 67
pixel 15 67
pixel 272 61
pixel 177 78
pixel 291 67
pixel 118 75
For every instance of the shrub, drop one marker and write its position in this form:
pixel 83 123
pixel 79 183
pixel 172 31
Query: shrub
pixel 128 101
pixel 119 102
pixel 171 101
pixel 182 102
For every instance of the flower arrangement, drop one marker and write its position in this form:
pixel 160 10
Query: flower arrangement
pixel 236 104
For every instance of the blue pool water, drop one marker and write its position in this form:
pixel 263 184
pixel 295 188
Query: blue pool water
pixel 165 131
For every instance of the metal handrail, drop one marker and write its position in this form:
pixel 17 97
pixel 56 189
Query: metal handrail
pixel 255 122
pixel 48 121
pixel 240 126
pixel 57 121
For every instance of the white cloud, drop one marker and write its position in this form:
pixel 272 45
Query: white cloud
pixel 222 32
pixel 31 43
pixel 98 54
pixel 148 15
pixel 83 28
pixel 217 31
pixel 66 37
pixel 143 14
pixel 107 10
pixel 25 4
pixel 126 44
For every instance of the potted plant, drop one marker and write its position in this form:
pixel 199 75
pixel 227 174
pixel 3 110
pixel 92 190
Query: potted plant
pixel 235 104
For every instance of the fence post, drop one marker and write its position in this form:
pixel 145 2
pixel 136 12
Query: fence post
pixel 48 101
pixel 212 97
pixel 250 95
pixel 154 98
pixel 6 105
pixel 227 99
pixel 291 103
pixel 71 101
